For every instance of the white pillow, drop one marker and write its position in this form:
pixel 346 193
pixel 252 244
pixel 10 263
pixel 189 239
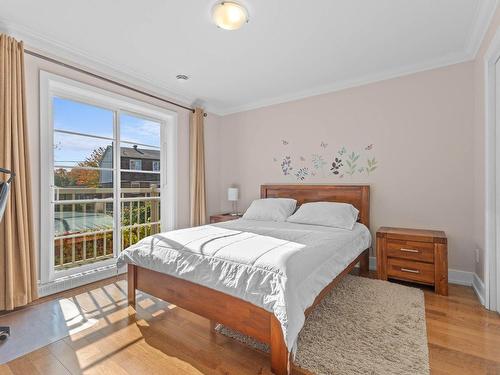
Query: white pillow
pixel 270 209
pixel 329 214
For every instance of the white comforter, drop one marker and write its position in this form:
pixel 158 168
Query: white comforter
pixel 280 267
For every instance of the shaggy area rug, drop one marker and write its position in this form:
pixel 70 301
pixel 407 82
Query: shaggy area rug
pixel 364 326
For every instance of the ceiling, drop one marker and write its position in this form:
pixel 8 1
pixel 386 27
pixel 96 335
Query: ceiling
pixel 289 49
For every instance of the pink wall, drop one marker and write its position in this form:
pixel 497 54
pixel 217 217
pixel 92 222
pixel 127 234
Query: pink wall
pixel 421 127
pixel 479 144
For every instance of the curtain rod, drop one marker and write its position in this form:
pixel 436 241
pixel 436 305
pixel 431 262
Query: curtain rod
pixel 50 59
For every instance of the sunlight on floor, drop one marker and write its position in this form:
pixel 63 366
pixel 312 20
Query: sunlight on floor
pixel 75 319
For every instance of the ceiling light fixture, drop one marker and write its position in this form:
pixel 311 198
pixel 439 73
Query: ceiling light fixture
pixel 182 77
pixel 229 15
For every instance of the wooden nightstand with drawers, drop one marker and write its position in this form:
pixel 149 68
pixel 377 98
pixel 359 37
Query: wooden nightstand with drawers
pixel 223 217
pixel 414 255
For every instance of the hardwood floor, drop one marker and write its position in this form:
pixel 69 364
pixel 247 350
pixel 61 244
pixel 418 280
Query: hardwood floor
pixel 463 337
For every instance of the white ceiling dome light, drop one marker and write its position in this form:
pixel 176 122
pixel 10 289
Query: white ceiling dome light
pixel 229 15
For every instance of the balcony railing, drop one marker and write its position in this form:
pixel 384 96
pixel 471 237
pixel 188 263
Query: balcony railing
pixel 84 222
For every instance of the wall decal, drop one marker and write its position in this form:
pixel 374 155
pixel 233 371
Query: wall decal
pixel 372 165
pixel 302 173
pixel 342 163
pixel 286 165
pixel 319 163
pixel 336 165
pixel 351 162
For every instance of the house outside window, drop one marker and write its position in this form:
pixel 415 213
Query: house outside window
pixel 135 165
pixel 156 166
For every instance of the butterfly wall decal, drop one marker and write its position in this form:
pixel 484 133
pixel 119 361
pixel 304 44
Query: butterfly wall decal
pixel 284 142
pixel 369 147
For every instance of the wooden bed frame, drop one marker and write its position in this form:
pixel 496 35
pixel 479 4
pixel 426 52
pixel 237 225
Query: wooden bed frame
pixel 234 312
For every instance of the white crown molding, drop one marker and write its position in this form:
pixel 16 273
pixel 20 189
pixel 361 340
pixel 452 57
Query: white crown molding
pixel 53 48
pixel 350 83
pixel 485 10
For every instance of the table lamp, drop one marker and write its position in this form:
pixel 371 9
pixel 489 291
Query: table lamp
pixel 232 196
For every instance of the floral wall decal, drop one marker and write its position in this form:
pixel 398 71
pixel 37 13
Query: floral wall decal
pixel 336 165
pixel 286 165
pixel 342 163
pixel 351 162
pixel 302 173
pixel 319 163
pixel 371 165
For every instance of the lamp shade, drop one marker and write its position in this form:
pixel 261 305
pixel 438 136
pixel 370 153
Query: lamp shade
pixel 232 194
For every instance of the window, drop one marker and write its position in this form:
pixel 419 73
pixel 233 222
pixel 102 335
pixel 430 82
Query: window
pixel 95 192
pixel 135 165
pixel 156 165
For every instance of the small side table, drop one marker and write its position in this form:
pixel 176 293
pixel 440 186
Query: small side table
pixel 223 217
pixel 414 255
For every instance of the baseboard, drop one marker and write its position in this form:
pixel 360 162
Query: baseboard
pixel 373 264
pixel 478 286
pixel 74 281
pixel 460 277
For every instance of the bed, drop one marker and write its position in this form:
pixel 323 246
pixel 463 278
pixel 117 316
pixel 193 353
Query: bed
pixel 258 278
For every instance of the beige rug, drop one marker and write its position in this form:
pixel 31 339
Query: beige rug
pixel 364 326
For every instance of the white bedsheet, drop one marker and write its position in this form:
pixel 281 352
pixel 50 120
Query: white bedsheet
pixel 280 267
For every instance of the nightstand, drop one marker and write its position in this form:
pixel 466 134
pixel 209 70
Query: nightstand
pixel 414 255
pixel 223 217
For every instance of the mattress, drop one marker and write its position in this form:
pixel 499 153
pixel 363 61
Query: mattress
pixel 279 266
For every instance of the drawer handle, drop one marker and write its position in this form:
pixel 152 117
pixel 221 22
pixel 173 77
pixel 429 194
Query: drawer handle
pixel 410 250
pixel 409 270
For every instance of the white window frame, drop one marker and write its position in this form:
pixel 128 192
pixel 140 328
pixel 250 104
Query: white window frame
pixel 136 162
pixel 52 85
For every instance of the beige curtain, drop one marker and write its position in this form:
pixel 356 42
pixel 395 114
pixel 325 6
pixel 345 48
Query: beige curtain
pixel 197 168
pixel 18 281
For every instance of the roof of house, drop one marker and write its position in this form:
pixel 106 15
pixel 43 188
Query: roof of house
pixel 139 153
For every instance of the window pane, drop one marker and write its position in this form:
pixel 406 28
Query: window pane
pixel 138 130
pixel 140 206
pixel 139 158
pixel 82 118
pixel 83 233
pixel 139 219
pixel 79 183
pixel 75 150
pixel 140 212
pixel 141 182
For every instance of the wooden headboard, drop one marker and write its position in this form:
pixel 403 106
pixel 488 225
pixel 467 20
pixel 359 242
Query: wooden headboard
pixel 357 195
